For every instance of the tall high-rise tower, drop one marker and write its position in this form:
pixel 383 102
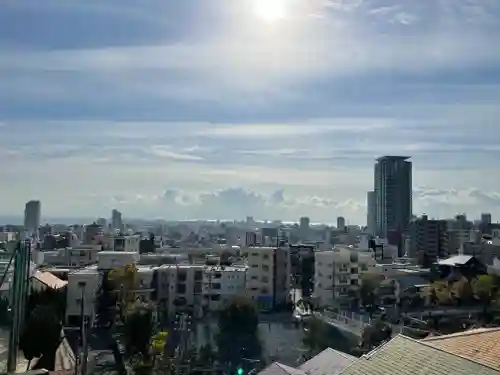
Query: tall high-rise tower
pixel 116 220
pixel 32 215
pixel 393 196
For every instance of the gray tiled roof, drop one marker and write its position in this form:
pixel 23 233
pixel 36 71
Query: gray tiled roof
pixel 405 356
pixel 328 362
pixel 277 368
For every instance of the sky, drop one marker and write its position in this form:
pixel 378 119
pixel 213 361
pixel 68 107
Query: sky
pixel 226 108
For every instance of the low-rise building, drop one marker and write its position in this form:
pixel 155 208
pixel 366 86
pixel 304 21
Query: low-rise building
pixel 221 284
pixel 124 243
pixel 268 278
pixel 81 294
pixel 179 288
pixel 458 266
pixel 338 271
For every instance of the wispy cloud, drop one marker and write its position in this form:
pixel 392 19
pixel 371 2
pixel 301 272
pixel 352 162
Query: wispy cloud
pixel 235 116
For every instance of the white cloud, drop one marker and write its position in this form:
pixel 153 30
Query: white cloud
pixel 251 59
pixel 233 133
pixel 166 152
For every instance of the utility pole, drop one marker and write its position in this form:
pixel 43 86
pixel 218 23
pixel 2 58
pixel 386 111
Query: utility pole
pixel 19 291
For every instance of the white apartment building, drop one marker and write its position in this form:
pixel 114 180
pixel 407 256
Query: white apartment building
pixel 109 260
pixel 80 256
pixel 124 243
pixel 7 236
pixel 339 270
pixel 179 287
pixel 221 284
pixel 268 279
pixel 82 287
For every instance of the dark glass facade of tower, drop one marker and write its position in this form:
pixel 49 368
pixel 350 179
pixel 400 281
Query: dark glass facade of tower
pixel 393 196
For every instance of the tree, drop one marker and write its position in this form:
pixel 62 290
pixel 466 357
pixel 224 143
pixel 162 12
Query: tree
pixel 138 330
pixel 373 335
pixel 483 288
pixel 315 339
pixel 124 283
pixel 462 290
pixel 441 293
pixel 116 298
pixel 206 355
pixel 367 292
pixel 237 339
pixel 41 336
pixel 47 297
pixel 225 258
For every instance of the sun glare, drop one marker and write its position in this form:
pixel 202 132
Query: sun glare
pixel 270 10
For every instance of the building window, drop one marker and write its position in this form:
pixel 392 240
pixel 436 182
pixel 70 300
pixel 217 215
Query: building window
pixel 354 282
pixel 265 279
pixel 265 256
pixel 181 288
pixel 265 268
pixel 354 270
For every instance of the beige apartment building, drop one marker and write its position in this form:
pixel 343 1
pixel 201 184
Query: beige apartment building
pixel 268 279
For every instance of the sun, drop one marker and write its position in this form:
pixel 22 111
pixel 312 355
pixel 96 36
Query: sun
pixel 270 10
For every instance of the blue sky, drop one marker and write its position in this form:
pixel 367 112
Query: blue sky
pixel 271 108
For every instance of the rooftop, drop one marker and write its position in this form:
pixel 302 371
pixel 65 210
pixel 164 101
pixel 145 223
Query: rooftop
pixel 277 368
pixel 328 362
pixel 479 345
pixel 405 356
pixel 456 260
pixel 50 280
pixel 390 158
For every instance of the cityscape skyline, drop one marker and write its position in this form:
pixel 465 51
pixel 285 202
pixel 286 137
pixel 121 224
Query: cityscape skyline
pixel 157 112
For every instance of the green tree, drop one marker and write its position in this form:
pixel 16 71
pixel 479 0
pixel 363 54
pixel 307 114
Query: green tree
pixel 47 297
pixel 41 336
pixel 483 288
pixel 124 283
pixel 116 300
pixel 367 291
pixel 315 339
pixel 462 290
pixel 376 333
pixel 237 338
pixel 138 330
pixel 225 258
pixel 206 355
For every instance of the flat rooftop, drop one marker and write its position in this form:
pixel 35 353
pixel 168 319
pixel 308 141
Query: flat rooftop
pixel 388 158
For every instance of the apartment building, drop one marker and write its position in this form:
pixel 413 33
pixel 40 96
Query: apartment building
pixel 179 287
pixel 221 284
pixel 80 256
pixel 268 279
pixel 459 232
pixel 337 271
pixel 429 240
pixel 82 288
pixel 124 243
